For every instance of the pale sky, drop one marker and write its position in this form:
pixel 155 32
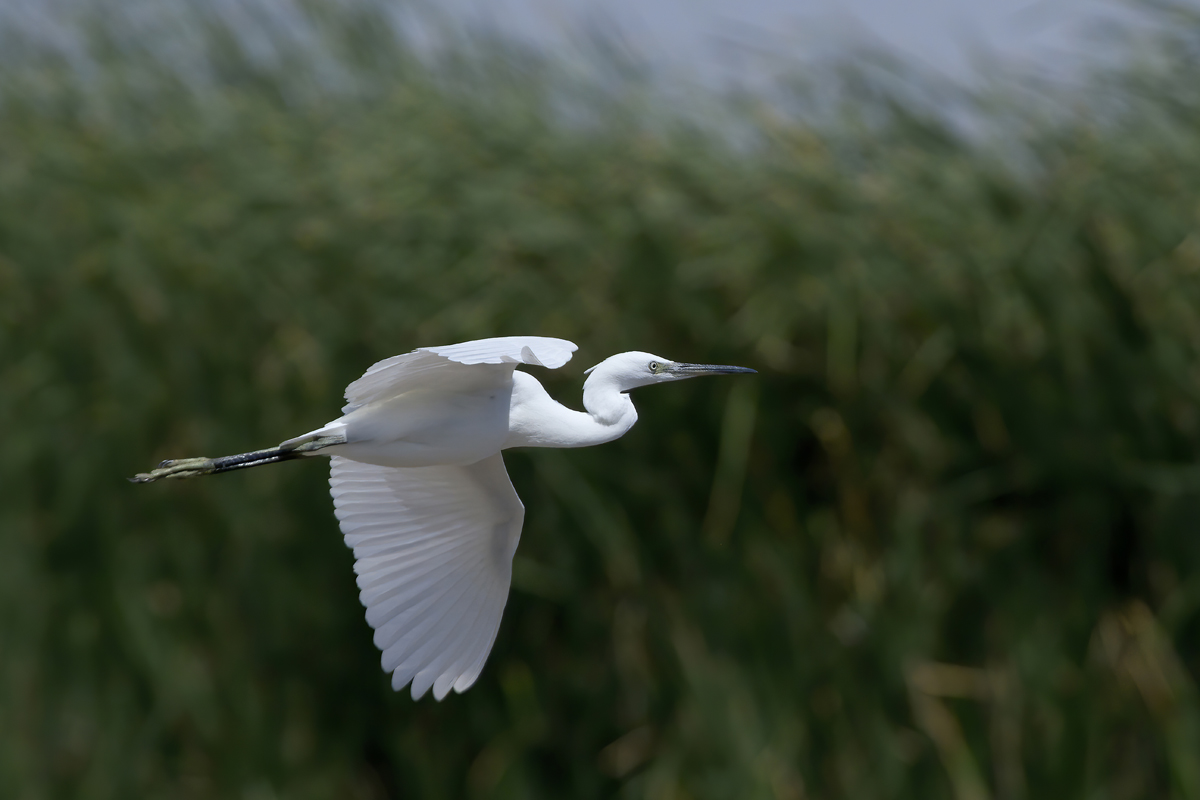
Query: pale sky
pixel 715 42
pixel 719 40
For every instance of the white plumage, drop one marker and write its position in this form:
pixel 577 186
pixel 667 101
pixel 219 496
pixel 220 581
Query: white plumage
pixel 420 490
pixel 433 549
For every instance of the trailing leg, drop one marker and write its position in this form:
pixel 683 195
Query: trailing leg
pixel 190 467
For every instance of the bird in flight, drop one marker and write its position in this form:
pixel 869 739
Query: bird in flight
pixel 421 493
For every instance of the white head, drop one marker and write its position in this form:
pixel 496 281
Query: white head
pixel 634 369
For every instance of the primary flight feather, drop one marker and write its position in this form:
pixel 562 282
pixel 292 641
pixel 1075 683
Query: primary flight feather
pixel 420 490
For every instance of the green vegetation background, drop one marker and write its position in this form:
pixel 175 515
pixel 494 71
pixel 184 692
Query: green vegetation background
pixel 944 545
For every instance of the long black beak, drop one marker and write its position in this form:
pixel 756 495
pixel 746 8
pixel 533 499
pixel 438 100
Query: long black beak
pixel 695 370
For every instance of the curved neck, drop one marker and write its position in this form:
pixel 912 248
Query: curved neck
pixel 606 403
pixel 537 420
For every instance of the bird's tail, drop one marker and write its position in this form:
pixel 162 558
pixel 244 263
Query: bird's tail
pixel 190 467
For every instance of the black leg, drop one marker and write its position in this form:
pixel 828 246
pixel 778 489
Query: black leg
pixel 190 467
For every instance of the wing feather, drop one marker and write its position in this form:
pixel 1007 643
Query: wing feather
pixel 433 551
pixel 490 623
pixel 449 637
pixel 435 584
pixel 413 642
pixel 464 649
pixel 397 374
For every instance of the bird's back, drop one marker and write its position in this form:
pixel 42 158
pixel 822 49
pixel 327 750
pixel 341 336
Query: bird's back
pixel 456 415
pixel 435 406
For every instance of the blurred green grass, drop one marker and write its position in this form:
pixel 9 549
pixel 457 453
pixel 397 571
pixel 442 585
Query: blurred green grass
pixel 944 546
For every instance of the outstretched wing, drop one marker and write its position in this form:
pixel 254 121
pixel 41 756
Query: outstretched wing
pixel 433 549
pixel 393 375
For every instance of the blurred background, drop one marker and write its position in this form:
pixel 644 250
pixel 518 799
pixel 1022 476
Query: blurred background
pixel 943 546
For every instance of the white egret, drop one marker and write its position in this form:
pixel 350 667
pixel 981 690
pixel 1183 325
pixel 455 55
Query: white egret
pixel 421 493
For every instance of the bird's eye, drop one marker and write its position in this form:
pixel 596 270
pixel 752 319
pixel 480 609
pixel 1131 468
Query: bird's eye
pixel 653 367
